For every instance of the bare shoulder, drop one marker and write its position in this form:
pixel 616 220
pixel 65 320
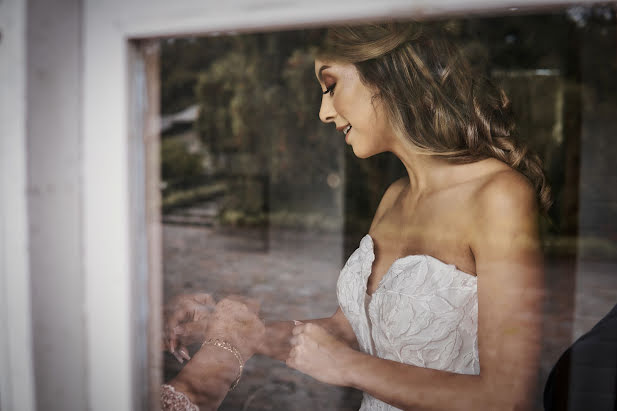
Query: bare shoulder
pixel 506 193
pixel 505 214
pixel 390 196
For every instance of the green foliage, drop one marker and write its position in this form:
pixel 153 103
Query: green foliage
pixel 177 163
pixel 181 62
pixel 260 100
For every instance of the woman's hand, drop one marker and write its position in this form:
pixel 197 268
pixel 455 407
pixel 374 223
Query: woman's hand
pixel 185 322
pixel 319 354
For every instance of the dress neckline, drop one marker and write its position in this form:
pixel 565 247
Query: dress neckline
pixel 398 261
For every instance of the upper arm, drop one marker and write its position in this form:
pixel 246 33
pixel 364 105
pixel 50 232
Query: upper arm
pixel 389 198
pixel 506 247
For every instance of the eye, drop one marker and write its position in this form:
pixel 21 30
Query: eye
pixel 330 89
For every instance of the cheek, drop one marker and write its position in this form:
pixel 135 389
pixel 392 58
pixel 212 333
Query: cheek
pixel 380 120
pixel 372 124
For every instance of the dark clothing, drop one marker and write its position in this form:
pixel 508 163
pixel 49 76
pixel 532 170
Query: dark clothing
pixel 585 376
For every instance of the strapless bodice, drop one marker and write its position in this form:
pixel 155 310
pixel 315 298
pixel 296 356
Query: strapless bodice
pixel 424 312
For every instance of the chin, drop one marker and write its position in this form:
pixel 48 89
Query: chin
pixel 358 152
pixel 362 156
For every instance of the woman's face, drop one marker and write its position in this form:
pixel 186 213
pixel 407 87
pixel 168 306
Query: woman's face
pixel 348 103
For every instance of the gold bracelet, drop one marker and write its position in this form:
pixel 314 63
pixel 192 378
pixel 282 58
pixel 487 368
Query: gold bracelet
pixel 232 349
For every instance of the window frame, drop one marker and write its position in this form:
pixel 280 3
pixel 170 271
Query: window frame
pixel 121 230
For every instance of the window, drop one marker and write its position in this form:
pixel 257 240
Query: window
pixel 259 198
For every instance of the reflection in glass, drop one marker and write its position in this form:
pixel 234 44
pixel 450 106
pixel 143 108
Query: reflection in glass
pixel 262 199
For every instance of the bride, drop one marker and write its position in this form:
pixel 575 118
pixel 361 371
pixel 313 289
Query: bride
pixel 440 307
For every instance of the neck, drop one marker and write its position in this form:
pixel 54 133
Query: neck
pixel 430 173
pixel 426 172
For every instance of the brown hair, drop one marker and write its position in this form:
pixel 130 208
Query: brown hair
pixel 433 98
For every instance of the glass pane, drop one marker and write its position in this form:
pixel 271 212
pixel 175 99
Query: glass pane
pixel 262 199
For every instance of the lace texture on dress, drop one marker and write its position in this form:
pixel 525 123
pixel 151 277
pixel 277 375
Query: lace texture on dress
pixel 172 400
pixel 424 312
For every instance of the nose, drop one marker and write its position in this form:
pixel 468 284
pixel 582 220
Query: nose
pixel 326 111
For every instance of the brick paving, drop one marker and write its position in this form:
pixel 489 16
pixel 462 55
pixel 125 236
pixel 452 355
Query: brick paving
pixel 294 275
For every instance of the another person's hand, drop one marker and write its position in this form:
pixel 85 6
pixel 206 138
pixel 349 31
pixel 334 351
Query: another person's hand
pixel 206 379
pixel 235 320
pixel 185 322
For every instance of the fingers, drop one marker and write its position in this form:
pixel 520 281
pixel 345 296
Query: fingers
pixel 251 304
pixel 300 336
pixel 190 333
pixel 291 358
pixel 305 328
pixel 169 340
pixel 171 324
pixel 185 309
pixel 202 311
pixel 204 299
pixel 181 353
pixel 173 331
pixel 178 356
pixel 235 310
pixel 184 353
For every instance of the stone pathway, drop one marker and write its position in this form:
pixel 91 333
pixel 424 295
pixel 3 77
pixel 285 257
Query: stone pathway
pixel 294 275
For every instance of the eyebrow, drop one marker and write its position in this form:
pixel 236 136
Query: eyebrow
pixel 322 68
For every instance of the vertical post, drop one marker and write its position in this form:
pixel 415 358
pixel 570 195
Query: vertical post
pixel 152 142
pixel 108 225
pixel 145 205
pixel 54 164
pixel 17 389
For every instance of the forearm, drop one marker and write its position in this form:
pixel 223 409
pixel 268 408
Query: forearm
pixel 416 388
pixel 276 342
pixel 206 379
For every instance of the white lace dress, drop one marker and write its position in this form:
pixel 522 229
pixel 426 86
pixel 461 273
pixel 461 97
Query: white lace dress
pixel 424 312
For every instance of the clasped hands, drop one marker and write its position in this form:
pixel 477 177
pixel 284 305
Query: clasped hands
pixel 192 318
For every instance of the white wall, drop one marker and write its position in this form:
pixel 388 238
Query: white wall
pixel 41 276
pixel 16 376
pixel 54 161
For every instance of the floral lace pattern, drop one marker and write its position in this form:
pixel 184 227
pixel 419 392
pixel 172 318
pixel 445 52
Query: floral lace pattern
pixel 172 400
pixel 424 312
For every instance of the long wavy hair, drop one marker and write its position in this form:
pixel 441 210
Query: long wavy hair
pixel 432 97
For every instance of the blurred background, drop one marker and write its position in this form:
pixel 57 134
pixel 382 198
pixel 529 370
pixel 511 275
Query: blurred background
pixel 262 199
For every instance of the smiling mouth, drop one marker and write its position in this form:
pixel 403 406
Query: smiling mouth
pixel 346 129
